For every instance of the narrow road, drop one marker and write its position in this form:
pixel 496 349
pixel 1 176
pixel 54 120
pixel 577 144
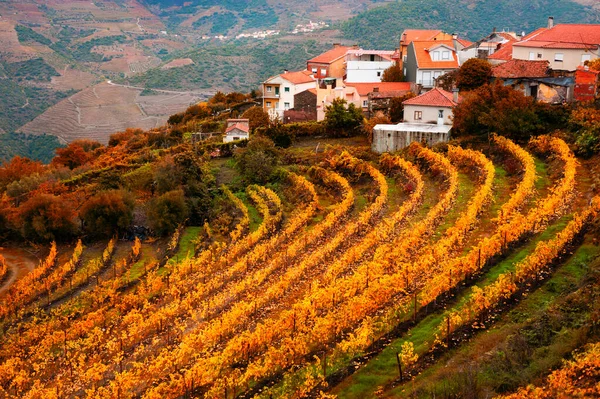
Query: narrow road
pixel 19 262
pixel 195 93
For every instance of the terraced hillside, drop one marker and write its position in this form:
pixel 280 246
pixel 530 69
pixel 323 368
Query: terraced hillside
pixel 395 259
pixel 99 111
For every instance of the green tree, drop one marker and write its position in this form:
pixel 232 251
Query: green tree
pixel 473 73
pixel 343 119
pixel 45 217
pixel 108 212
pixel 258 160
pixel 392 74
pixel 167 211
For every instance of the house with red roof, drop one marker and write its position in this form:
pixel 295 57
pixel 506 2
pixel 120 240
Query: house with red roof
pixel 565 46
pixel 367 65
pixel 279 91
pixel 411 35
pixel 330 64
pixel 427 117
pixel 427 60
pixel 237 129
pixel 487 46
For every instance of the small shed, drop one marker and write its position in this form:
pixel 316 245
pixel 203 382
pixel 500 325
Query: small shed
pixel 390 138
pixel 237 129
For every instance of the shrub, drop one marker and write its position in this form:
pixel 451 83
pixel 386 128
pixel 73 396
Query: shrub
pixel 167 211
pixel 45 218
pixel 108 212
pixel 258 160
pixel 473 73
pixel 343 119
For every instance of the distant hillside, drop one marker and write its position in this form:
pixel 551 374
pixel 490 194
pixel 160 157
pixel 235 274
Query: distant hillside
pixel 381 27
pixel 39 148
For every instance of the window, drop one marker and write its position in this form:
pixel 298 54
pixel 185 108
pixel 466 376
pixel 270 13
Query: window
pixel 418 115
pixel 323 71
pixel 365 103
pixel 372 57
pixel 268 104
pixel 269 89
pixel 539 55
pixel 531 56
pixel 558 57
pixel 235 138
pixel 435 56
pixel 441 113
pixel 378 74
pixel 586 57
pixel 314 70
pixel 286 105
pixel 277 104
pixel 286 89
pixel 445 55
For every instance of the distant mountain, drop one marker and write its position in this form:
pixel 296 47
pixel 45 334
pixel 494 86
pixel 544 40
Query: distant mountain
pixel 381 27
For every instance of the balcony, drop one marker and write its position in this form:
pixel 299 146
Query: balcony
pixel 271 95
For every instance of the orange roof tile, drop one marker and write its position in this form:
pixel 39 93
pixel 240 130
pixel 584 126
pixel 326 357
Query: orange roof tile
pixel 364 89
pixel 464 42
pixel 244 128
pixel 424 60
pixel 564 36
pixel 521 69
pixel 331 55
pixel 504 53
pixel 418 34
pixel 434 98
pixel 298 77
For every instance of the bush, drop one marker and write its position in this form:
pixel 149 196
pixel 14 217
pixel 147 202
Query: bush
pixel 393 74
pixel 258 160
pixel 343 119
pixel 107 213
pixel 473 73
pixel 167 211
pixel 45 218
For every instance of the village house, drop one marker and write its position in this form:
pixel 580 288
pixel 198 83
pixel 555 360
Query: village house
pixel 411 35
pixel 427 118
pixel 367 65
pixel 330 64
pixel 487 46
pixel 565 46
pixel 237 129
pixel 279 91
pixel 428 60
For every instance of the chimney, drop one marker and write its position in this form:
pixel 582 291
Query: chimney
pixel 336 45
pixel 550 22
pixel 455 36
pixel 494 30
pixel 285 71
pixel 455 95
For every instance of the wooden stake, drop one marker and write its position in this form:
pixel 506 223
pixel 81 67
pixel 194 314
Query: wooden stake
pixel 399 365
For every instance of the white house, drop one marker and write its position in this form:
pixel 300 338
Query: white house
pixel 279 91
pixel 367 66
pixel 428 60
pixel 237 129
pixel 427 117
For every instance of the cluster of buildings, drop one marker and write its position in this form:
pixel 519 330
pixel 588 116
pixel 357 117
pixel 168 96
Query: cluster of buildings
pixel 547 64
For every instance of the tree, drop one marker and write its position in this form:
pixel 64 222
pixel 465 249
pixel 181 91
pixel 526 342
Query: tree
pixel 77 153
pixel 46 218
pixel 500 109
pixel 343 119
pixel 258 160
pixel 17 168
pixel 378 118
pixel 392 74
pixel 593 64
pixel 108 212
pixel 473 73
pixel 258 117
pixel 167 211
pixel 396 107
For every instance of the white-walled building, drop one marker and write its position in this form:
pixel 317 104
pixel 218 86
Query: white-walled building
pixel 237 129
pixel 279 91
pixel 426 61
pixel 367 66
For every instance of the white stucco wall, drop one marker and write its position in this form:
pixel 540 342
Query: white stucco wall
pixel 430 114
pixel 366 71
pixel 572 58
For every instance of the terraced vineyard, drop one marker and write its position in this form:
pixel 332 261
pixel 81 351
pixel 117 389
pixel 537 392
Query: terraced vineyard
pixel 369 250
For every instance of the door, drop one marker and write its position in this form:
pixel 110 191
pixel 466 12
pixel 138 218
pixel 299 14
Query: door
pixel 426 81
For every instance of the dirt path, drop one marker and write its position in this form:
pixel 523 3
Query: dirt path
pixel 19 262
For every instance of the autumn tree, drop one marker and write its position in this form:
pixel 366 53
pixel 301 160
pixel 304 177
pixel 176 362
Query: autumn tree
pixel 167 211
pixel 593 64
pixel 45 217
pixel 343 119
pixel 257 116
pixel 77 153
pixel 392 74
pixel 122 137
pixel 369 124
pixel 473 73
pixel 396 107
pixel 258 160
pixel 107 212
pixel 18 168
pixel 585 124
pixel 497 108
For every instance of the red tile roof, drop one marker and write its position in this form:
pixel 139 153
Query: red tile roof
pixel 244 128
pixel 329 56
pixel 435 98
pixel 418 34
pixel 424 60
pixel 363 89
pixel 521 69
pixel 464 42
pixel 504 53
pixel 298 77
pixel 564 36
